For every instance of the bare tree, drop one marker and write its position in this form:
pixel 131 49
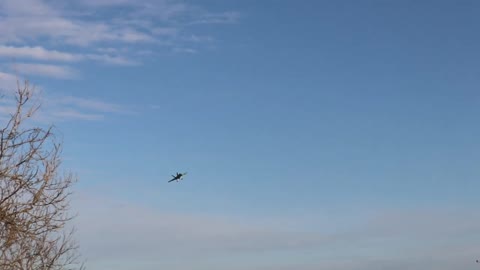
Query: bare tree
pixel 34 195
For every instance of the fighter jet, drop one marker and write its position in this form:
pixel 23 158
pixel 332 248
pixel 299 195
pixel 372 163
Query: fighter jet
pixel 177 177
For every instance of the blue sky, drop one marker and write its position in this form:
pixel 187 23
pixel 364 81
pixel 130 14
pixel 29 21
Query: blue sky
pixel 316 134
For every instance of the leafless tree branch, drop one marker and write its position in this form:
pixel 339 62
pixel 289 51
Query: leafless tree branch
pixel 34 197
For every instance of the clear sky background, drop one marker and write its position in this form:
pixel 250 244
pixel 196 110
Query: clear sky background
pixel 339 135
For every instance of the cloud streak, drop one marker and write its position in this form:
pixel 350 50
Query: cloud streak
pixel 90 104
pixel 55 71
pixel 40 53
pixel 58 107
pixel 37 53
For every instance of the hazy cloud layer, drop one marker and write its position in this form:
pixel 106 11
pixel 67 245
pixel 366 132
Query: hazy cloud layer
pixel 149 232
pixel 398 239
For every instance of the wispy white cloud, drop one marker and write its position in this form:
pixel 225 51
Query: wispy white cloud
pixel 59 107
pixel 27 7
pixel 24 22
pixel 47 70
pixel 107 3
pixel 220 18
pixel 113 60
pixel 36 29
pixel 185 50
pixel 50 36
pixel 38 53
pixel 88 103
pixel 20 23
pixel 199 39
pixel 69 114
pixel 165 31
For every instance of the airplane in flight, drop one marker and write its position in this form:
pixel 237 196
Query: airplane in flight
pixel 177 177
